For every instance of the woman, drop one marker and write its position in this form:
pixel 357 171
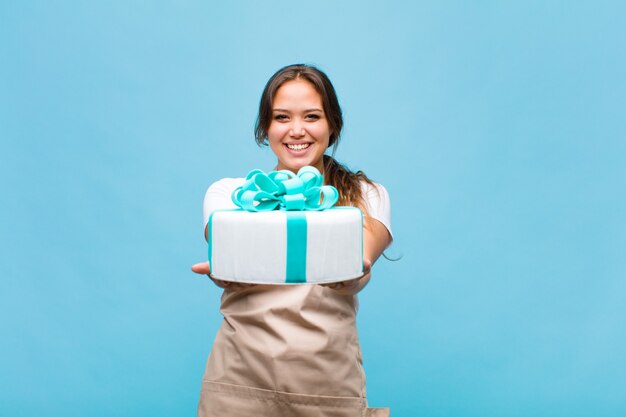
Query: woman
pixel 293 350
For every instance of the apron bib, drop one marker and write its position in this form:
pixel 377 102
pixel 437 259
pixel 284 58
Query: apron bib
pixel 286 351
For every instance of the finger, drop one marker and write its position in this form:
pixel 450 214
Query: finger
pixel 220 283
pixel 367 266
pixel 237 286
pixel 351 283
pixel 201 268
pixel 334 285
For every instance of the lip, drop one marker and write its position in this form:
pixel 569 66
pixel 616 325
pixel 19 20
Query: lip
pixel 300 152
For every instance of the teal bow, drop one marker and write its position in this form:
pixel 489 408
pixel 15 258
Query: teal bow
pixel 284 190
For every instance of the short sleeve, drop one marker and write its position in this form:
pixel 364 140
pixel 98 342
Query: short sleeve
pixel 378 203
pixel 218 196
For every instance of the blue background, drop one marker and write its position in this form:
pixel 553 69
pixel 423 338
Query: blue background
pixel 498 129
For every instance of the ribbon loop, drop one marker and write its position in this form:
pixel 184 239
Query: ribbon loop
pixel 284 190
pixel 265 183
pixel 293 186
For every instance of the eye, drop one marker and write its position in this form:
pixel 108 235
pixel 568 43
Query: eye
pixel 280 117
pixel 313 116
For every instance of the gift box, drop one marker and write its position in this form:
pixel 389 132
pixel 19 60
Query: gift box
pixel 286 231
pixel 286 247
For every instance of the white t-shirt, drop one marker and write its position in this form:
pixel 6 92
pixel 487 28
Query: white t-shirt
pixel 218 197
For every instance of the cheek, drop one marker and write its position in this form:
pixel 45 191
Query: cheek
pixel 320 132
pixel 276 132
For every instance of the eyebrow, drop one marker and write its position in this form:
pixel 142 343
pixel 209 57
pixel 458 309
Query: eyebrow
pixel 306 111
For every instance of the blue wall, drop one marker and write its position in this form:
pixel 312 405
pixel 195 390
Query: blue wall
pixel 497 128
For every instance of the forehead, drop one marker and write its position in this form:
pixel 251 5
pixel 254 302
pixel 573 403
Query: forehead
pixel 295 92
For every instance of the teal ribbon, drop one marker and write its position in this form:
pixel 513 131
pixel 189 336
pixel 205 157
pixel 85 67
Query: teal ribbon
pixel 296 247
pixel 294 193
pixel 284 190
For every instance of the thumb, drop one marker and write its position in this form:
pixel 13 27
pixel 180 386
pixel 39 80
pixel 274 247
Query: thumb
pixel 201 268
pixel 367 265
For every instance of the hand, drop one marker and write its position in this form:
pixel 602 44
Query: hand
pixel 352 286
pixel 203 268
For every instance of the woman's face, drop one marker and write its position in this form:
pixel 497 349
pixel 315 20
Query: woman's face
pixel 299 132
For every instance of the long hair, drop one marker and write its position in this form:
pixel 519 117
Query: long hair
pixel 348 183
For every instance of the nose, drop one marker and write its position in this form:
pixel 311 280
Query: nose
pixel 297 129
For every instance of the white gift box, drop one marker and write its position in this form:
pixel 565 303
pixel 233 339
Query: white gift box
pixel 286 247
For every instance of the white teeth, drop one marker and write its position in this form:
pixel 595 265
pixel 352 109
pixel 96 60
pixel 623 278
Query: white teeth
pixel 298 147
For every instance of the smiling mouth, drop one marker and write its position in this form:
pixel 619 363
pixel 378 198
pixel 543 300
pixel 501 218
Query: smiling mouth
pixel 298 146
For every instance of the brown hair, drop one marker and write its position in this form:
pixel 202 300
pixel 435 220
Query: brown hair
pixel 348 183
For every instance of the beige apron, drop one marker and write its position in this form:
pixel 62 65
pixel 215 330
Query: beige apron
pixel 286 351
